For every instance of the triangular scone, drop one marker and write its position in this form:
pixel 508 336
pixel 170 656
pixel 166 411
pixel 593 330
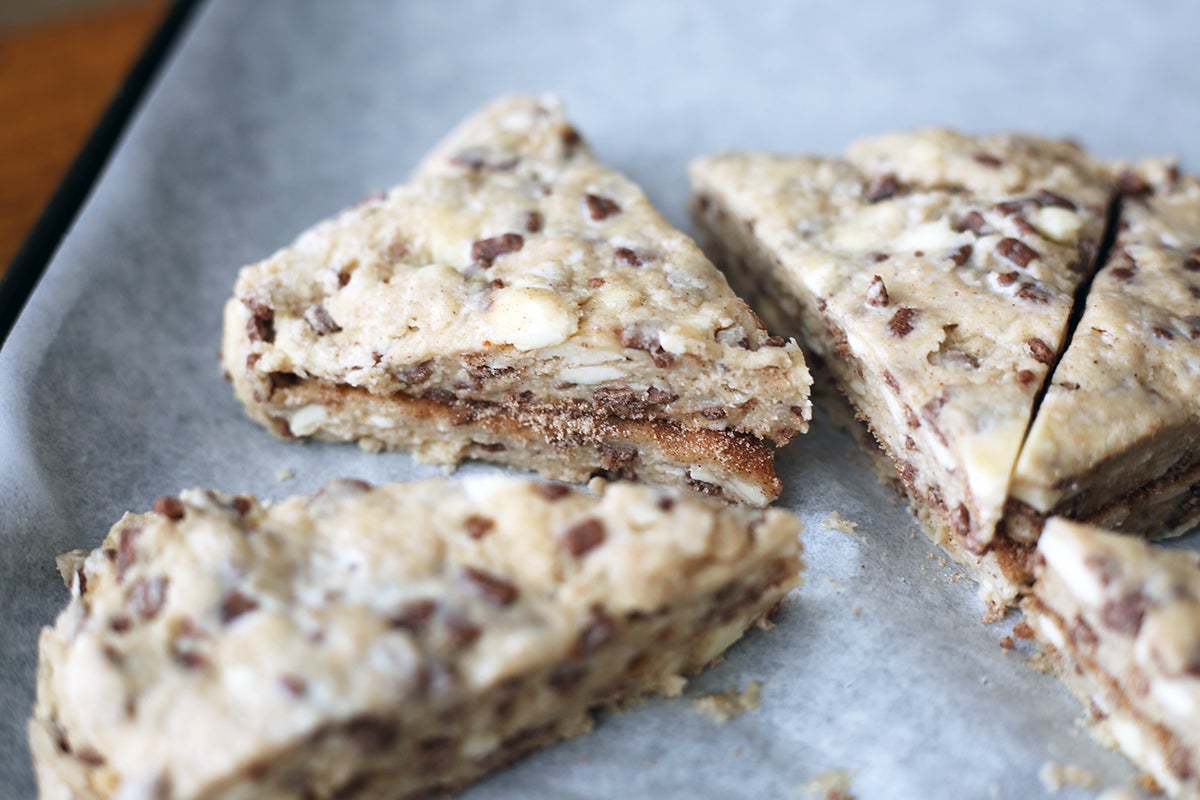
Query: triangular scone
pixel 934 275
pixel 518 302
pixel 383 642
pixel 1121 621
pixel 1117 438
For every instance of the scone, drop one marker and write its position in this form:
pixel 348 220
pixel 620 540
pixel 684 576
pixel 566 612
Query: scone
pixel 518 302
pixel 934 275
pixel 1121 620
pixel 1117 438
pixel 382 642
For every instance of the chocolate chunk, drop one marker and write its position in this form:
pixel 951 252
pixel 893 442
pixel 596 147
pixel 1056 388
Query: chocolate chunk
pixel 566 678
pixel 412 615
pixel 988 160
pixel 90 756
pixel 628 256
pixel 714 413
pixel 1125 615
pixel 240 504
pixel 1007 278
pixel 595 283
pixel 1191 261
pixel 962 255
pixel 293 685
pixel 910 417
pixel 1027 291
pixel 882 188
pixel 571 139
pixel 170 507
pixel 416 374
pixel 494 588
pixel 319 320
pixel 553 491
pixel 908 472
pixel 1047 198
pixel 1162 333
pixel 343 278
pixel 1016 252
pixel 148 596
pixel 660 397
pixel 1025 377
pixel 601 207
pixel 533 222
pixel 477 526
pixel 877 258
pixel 235 605
pixel 396 251
pixel 1040 350
pixel 261 325
pixel 598 632
pixel 126 550
pixel 486 251
pixel 1123 274
pixel 120 624
pixel 1009 207
pixel 1132 185
pixel 960 520
pixel 615 456
pixel 665 503
pixel 460 631
pixel 663 359
pixel 972 221
pixel 877 293
pixel 371 735
pixel 901 323
pixel 583 537
pixel 704 487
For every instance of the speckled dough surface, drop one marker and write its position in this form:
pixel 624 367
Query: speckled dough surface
pixel 381 642
pixel 514 272
pixel 1121 619
pixel 934 275
pixel 1117 438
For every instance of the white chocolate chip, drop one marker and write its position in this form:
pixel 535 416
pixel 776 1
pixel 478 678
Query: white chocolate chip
pixel 529 318
pixel 307 419
pixel 930 237
pixel 1060 224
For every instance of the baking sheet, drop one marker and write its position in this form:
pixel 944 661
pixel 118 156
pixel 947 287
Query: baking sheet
pixel 274 114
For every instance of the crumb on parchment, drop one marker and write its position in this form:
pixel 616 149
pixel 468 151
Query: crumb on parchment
pixel 1054 776
pixel 285 474
pixel 833 784
pixel 836 522
pixel 724 706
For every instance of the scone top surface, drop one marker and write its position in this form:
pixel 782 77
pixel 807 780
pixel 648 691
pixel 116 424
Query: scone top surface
pixel 220 631
pixel 944 266
pixel 1125 400
pixel 514 261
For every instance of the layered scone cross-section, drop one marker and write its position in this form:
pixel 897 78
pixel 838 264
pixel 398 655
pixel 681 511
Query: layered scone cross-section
pixel 382 642
pixel 1120 618
pixel 518 302
pixel 933 274
pixel 1117 438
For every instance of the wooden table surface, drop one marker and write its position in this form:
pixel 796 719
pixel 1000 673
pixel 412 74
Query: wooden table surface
pixel 56 79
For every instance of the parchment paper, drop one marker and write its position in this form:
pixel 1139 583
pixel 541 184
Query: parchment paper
pixel 273 114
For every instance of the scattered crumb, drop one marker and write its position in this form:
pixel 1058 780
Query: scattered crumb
pixel 737 752
pixel 370 444
pixel 856 611
pixel 1118 793
pixel 836 522
pixel 1006 642
pixel 724 706
pixel 1039 663
pixel 1022 630
pixel 285 474
pixel 1054 776
pixel 1146 782
pixel 834 582
pixel 672 686
pixel 995 612
pixel 832 784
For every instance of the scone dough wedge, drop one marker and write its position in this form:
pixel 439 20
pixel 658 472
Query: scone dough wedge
pixel 1120 619
pixel 382 642
pixel 518 302
pixel 933 274
pixel 1117 439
